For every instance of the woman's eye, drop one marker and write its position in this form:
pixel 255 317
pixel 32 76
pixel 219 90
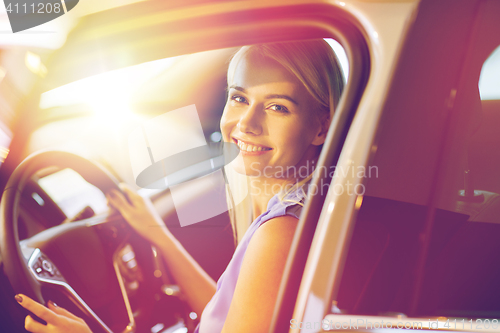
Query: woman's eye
pixel 238 99
pixel 278 108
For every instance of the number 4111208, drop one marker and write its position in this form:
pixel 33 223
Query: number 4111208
pixel 39 8
pixel 471 324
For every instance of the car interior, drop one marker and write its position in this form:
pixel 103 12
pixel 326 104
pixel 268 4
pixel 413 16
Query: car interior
pixel 55 200
pixel 424 237
pixel 58 191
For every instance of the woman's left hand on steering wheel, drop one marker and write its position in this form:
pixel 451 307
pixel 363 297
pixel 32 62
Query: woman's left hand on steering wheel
pixel 58 320
pixel 139 212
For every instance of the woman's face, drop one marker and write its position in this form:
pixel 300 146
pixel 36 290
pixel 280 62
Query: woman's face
pixel 274 120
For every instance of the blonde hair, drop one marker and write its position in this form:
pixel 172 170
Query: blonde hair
pixel 315 64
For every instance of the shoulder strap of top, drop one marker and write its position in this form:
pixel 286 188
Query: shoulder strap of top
pixel 293 203
pixel 294 210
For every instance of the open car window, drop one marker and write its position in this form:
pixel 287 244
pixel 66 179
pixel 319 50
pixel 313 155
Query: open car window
pixel 95 116
pixel 106 116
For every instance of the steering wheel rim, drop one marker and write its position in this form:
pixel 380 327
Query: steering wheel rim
pixel 16 266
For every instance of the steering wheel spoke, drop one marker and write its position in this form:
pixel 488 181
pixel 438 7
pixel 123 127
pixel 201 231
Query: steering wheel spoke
pixel 46 272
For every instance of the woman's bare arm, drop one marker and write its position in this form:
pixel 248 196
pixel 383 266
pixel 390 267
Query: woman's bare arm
pixel 256 291
pixel 195 283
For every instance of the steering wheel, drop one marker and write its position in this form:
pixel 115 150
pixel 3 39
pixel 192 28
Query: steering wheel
pixel 78 246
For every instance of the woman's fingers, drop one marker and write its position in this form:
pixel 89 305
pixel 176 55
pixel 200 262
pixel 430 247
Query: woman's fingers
pixel 118 200
pixel 31 325
pixel 61 311
pixel 58 320
pixel 36 308
pixel 133 195
pixel 139 212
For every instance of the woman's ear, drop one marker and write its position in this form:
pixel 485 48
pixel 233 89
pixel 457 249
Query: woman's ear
pixel 324 125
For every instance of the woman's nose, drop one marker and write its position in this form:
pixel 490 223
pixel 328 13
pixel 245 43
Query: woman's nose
pixel 250 121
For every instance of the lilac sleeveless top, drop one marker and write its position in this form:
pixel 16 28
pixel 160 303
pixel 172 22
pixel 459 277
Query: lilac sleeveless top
pixel 214 314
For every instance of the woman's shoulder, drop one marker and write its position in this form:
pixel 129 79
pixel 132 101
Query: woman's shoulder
pixel 276 232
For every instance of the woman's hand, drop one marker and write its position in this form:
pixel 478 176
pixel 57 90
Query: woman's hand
pixel 58 319
pixel 139 212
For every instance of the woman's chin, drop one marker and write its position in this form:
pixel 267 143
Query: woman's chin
pixel 242 169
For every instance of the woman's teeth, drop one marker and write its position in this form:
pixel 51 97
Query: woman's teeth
pixel 249 147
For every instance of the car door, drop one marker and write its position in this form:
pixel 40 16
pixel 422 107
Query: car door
pixel 399 256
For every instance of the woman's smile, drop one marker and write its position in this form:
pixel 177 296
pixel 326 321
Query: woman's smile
pixel 249 148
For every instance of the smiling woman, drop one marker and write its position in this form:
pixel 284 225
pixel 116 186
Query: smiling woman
pixel 281 99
